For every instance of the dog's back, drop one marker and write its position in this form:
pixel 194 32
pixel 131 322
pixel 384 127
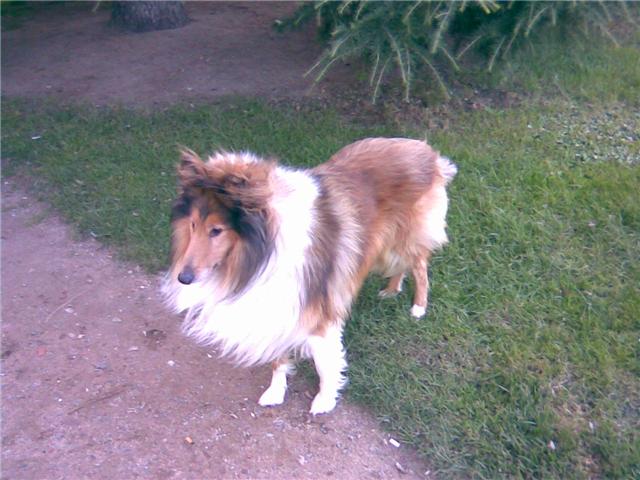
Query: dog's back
pixel 381 175
pixel 394 189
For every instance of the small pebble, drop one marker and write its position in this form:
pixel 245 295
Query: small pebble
pixel 101 365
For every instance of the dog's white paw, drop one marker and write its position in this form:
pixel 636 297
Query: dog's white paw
pixel 274 395
pixel 417 311
pixel 323 403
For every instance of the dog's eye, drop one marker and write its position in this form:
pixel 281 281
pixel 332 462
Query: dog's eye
pixel 214 232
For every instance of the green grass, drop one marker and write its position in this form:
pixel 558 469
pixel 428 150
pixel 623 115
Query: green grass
pixel 528 363
pixel 575 71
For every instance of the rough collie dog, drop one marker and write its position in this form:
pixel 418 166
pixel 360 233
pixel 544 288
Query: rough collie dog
pixel 267 260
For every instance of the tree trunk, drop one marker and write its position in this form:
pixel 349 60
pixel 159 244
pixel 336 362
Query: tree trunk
pixel 147 16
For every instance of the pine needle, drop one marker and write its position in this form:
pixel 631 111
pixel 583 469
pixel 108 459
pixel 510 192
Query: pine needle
pixel 436 74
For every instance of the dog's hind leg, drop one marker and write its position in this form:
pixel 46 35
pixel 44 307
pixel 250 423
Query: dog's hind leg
pixel 329 358
pixel 421 278
pixel 394 286
pixel 274 395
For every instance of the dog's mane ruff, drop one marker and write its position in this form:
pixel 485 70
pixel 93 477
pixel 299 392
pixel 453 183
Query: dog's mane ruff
pixel 260 323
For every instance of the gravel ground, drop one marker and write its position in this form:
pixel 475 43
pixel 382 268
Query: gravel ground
pixel 610 135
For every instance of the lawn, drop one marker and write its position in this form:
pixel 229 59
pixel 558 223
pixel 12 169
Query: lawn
pixel 528 362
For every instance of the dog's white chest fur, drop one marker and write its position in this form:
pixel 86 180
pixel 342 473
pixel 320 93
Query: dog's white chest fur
pixel 262 324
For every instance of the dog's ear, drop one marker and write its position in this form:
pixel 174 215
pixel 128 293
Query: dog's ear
pixel 235 181
pixel 191 167
pixel 249 188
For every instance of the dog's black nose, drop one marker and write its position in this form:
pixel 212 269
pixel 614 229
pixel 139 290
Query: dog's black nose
pixel 186 276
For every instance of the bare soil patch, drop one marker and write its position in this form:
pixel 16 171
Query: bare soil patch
pixel 229 48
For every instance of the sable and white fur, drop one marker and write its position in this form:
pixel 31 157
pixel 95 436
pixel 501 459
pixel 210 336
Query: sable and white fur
pixel 267 260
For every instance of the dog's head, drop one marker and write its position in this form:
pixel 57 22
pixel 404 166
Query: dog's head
pixel 221 220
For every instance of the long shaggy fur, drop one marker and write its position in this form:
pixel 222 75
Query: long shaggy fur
pixel 267 260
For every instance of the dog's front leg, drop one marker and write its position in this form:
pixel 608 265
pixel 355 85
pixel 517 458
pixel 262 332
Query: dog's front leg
pixel 329 359
pixel 274 395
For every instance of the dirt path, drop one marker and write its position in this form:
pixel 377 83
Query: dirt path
pixel 97 381
pixel 68 52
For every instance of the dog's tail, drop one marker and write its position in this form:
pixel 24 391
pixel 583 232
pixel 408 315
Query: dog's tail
pixel 446 168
